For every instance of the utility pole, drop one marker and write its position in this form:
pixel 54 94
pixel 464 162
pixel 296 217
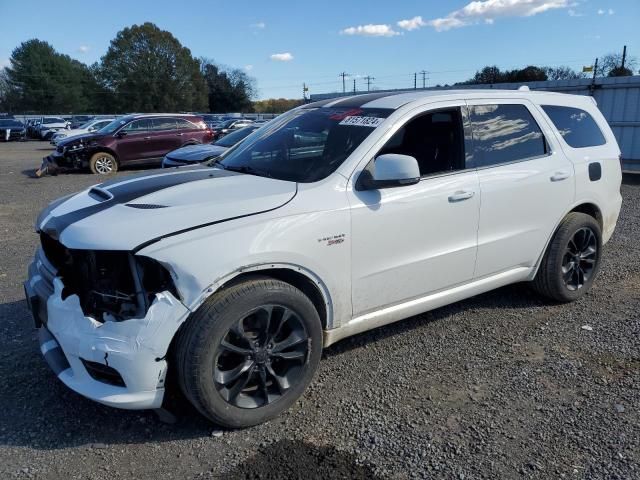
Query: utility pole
pixel 369 79
pixel 424 78
pixel 354 85
pixel 344 86
pixel 624 56
pixel 305 89
pixel 415 81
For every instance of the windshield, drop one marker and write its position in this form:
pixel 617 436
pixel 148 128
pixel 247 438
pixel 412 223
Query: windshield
pixel 233 138
pixel 112 126
pixel 10 123
pixel 87 125
pixel 226 124
pixel 305 145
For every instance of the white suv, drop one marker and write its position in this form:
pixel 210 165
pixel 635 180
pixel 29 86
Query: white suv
pixel 335 218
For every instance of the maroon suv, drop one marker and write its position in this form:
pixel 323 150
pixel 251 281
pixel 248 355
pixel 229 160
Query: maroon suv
pixel 129 140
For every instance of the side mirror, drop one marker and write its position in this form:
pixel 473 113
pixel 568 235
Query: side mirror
pixel 390 170
pixel 121 134
pixel 92 129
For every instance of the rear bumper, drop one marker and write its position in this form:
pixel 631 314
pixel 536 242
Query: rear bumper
pixel 119 364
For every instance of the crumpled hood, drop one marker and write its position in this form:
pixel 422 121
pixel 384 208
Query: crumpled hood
pixel 85 137
pixel 127 213
pixel 196 153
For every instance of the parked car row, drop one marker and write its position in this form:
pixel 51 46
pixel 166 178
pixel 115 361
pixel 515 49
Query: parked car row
pixel 132 139
pixel 88 127
pixel 11 129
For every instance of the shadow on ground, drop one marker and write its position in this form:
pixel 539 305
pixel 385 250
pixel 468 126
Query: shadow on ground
pixel 302 460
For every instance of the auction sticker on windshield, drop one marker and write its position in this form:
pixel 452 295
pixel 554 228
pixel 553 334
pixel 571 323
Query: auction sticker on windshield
pixel 372 122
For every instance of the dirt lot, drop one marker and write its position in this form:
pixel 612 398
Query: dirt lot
pixel 503 385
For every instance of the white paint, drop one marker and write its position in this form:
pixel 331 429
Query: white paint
pixel 403 250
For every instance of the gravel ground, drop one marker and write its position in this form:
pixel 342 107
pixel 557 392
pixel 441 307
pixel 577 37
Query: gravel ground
pixel 503 385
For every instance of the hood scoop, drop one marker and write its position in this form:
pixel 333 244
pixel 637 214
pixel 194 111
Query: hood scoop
pixel 100 194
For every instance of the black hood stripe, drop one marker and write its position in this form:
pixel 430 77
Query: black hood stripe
pixel 126 190
pixel 208 224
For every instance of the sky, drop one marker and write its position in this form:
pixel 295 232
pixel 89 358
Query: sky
pixel 284 43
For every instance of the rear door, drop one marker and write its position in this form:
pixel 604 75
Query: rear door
pixel 164 137
pixel 188 132
pixel 526 183
pixel 134 145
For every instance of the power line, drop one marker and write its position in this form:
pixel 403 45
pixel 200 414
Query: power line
pixel 368 79
pixel 343 75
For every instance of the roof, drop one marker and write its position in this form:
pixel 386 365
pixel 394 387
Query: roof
pixel 395 100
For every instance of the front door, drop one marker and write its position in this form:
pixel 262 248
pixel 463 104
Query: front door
pixel 134 145
pixel 526 183
pixel 414 240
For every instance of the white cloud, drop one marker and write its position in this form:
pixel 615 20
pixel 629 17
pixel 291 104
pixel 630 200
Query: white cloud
pixel 371 31
pixel 412 23
pixel 4 63
pixel 84 48
pixel 248 68
pixel 259 25
pixel 610 11
pixel 488 10
pixel 573 13
pixel 282 57
pixel 606 12
pixel 601 12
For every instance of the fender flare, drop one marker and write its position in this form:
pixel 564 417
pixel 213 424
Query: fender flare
pixel 258 267
pixel 536 266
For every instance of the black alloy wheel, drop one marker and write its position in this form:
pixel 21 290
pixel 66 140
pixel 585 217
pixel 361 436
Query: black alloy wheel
pixel 580 258
pixel 261 356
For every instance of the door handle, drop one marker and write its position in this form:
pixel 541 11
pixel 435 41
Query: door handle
pixel 461 195
pixel 179 134
pixel 559 176
pixel 146 138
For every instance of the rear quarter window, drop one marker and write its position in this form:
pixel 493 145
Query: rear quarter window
pixel 576 126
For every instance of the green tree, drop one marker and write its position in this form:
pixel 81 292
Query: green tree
pixel 146 69
pixel 276 105
pixel 39 79
pixel 227 90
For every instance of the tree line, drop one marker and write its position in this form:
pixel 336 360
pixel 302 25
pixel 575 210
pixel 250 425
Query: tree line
pixel 611 65
pixel 145 69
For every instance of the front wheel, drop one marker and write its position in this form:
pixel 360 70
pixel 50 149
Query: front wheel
pixel 572 260
pixel 249 352
pixel 103 163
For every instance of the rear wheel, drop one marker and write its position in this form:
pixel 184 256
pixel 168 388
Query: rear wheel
pixel 572 260
pixel 103 163
pixel 249 352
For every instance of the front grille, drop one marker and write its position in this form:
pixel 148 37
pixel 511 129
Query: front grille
pixel 103 373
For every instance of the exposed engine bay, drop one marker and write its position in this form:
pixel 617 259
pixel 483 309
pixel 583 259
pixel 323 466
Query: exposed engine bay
pixel 111 285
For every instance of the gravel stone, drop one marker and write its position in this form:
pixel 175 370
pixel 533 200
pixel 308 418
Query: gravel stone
pixel 502 385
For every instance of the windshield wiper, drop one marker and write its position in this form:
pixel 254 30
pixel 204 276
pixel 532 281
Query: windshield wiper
pixel 245 169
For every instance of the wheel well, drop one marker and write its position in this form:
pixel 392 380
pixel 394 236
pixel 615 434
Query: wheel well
pixel 591 210
pixel 298 280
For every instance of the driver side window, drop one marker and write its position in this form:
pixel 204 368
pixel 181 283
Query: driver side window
pixel 435 139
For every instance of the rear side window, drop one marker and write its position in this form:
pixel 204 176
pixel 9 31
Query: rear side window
pixel 576 126
pixel 505 133
pixel 164 124
pixel 185 124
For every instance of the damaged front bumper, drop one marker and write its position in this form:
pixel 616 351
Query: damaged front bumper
pixel 117 363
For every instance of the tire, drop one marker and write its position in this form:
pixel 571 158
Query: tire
pixel 556 278
pixel 102 163
pixel 210 352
